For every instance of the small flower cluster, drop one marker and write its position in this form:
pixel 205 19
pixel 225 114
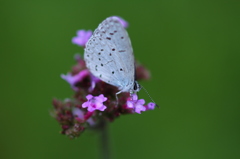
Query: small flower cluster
pixel 94 100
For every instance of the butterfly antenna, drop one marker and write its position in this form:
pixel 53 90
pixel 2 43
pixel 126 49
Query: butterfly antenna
pixel 149 95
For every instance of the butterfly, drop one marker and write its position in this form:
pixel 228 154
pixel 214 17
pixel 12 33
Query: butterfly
pixel 109 56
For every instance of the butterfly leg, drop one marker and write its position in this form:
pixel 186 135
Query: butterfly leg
pixel 117 96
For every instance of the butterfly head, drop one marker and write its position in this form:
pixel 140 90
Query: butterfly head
pixel 136 87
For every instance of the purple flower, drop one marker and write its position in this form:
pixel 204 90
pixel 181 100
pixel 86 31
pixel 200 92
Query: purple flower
pixel 95 103
pixel 82 37
pixel 136 105
pixel 122 21
pixel 151 106
pixel 73 79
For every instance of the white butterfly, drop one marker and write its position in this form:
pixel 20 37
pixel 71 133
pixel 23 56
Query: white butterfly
pixel 109 56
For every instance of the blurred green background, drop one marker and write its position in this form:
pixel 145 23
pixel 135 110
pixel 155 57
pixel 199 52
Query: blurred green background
pixel 191 47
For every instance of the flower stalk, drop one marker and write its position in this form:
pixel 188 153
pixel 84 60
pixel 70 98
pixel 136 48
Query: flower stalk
pixel 104 141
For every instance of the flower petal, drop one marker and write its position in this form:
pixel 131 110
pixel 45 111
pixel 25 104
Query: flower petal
pixel 89 96
pixel 82 37
pixel 85 105
pixel 130 104
pixel 73 79
pixel 141 101
pixel 134 97
pixel 139 108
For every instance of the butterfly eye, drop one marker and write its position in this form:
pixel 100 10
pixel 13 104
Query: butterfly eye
pixel 135 87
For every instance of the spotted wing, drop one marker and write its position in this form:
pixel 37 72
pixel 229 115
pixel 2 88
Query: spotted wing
pixel 109 54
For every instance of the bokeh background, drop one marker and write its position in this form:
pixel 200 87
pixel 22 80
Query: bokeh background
pixel 191 47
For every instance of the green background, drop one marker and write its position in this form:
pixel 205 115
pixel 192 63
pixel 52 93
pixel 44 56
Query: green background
pixel 190 47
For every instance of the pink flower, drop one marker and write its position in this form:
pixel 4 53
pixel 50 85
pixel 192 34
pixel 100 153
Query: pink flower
pixel 136 105
pixel 95 103
pixel 73 79
pixel 122 21
pixel 82 37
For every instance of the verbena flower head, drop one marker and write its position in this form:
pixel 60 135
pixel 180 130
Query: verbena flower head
pixel 93 99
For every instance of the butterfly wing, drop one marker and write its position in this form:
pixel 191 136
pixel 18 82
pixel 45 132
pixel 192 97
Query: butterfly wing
pixel 109 55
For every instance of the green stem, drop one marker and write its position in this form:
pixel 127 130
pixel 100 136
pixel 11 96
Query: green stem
pixel 104 141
